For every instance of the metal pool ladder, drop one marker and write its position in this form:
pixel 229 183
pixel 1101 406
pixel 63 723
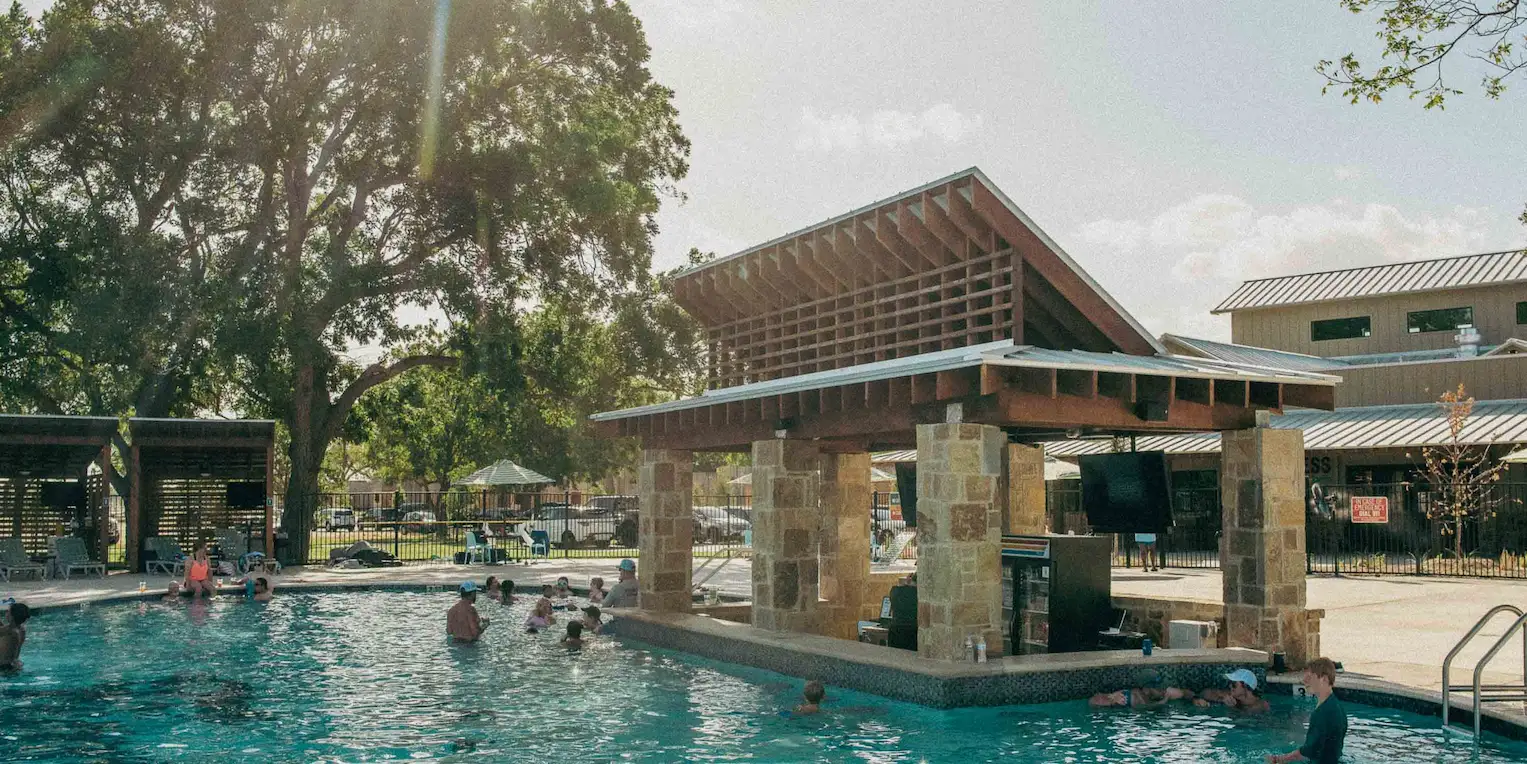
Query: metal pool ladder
pixel 1483 692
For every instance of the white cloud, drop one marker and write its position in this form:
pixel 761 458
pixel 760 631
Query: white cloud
pixel 883 129
pixel 1171 269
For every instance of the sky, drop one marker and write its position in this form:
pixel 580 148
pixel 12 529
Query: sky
pixel 1173 149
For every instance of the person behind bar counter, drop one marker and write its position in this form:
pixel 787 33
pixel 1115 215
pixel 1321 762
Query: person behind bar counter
pixel 902 632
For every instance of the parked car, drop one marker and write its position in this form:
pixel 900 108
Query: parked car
pixel 714 525
pixel 419 521
pixel 336 518
pixel 570 526
pixel 612 504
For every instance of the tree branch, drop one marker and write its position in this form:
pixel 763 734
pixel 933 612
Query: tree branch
pixel 374 375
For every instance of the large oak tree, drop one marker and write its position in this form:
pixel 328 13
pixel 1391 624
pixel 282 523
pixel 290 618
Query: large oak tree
pixel 304 170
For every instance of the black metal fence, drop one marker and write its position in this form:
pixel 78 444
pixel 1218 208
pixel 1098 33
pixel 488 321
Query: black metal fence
pixel 461 525
pixel 1406 533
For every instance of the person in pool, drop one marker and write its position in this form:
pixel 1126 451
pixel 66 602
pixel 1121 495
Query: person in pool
pixel 626 592
pixel 596 591
pixel 1327 733
pixel 1241 695
pixel 540 618
pixel 591 619
pixel 491 586
pixel 172 594
pixel 506 592
pixel 563 589
pixel 462 622
pixel 814 693
pixel 13 634
pixel 1140 697
pixel 263 591
pixel 574 638
pixel 199 573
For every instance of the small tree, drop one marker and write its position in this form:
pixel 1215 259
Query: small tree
pixel 1462 476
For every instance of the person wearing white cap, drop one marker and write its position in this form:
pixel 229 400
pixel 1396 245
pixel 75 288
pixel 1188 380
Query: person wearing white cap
pixel 625 593
pixel 462 623
pixel 1241 695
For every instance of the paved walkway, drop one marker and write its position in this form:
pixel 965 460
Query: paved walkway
pixel 1396 628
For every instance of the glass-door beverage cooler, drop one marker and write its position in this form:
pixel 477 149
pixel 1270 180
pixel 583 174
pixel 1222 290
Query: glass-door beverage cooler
pixel 1055 593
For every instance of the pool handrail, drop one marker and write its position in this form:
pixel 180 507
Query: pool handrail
pixel 1447 663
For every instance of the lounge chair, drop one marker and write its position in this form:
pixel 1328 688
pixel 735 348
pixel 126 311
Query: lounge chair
pixel 538 542
pixel 14 559
pixel 168 557
pixel 477 549
pixel 73 556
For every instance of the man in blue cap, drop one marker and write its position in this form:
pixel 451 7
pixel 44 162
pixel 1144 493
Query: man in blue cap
pixel 625 593
pixel 462 622
pixel 1242 693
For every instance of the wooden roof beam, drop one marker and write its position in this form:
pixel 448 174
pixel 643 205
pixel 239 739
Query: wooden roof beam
pixel 913 230
pixel 939 224
pixel 1039 293
pixel 866 241
pixel 890 236
pixel 806 263
pixel 962 215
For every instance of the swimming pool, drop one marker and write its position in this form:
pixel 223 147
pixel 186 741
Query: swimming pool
pixel 368 676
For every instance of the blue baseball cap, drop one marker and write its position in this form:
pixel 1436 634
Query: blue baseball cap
pixel 628 565
pixel 1244 676
pixel 467 587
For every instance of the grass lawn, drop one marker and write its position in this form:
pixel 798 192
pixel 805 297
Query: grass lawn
pixel 417 547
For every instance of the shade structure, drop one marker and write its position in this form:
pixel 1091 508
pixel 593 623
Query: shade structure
pixel 505 472
pixel 1056 469
pixel 877 475
pixel 1518 456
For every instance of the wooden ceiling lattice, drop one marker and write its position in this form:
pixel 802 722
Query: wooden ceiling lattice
pixel 939 268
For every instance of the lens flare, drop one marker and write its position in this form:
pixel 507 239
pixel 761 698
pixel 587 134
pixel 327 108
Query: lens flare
pixel 429 129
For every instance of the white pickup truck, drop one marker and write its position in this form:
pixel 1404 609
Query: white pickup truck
pixel 568 526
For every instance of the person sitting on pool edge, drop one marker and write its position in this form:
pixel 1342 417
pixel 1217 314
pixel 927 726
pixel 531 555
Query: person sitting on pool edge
pixel 625 593
pixel 574 638
pixel 1242 693
pixel 591 619
pixel 462 623
pixel 1327 733
pixel 13 634
pixel 199 573
pixel 814 693
pixel 1140 697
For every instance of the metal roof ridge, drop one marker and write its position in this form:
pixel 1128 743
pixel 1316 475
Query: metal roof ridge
pixel 969 171
pixel 1395 264
pixel 1398 283
pixel 1190 340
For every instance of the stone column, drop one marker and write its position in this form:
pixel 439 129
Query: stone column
pixel 666 530
pixel 959 537
pixel 1025 491
pixel 845 541
pixel 787 521
pixel 1262 548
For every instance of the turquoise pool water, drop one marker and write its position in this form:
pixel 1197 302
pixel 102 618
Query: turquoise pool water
pixel 369 677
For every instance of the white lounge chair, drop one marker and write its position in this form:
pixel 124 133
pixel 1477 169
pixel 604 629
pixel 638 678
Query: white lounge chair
pixel 168 557
pixel 14 559
pixel 73 556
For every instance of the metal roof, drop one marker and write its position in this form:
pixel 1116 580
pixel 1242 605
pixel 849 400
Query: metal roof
pixel 1007 202
pixel 210 429
pixel 1408 426
pixel 1250 356
pixel 1000 353
pixel 505 472
pixel 892 457
pixel 1393 278
pixel 59 425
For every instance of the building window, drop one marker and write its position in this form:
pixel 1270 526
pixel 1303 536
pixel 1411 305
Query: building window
pixel 1521 312
pixel 1340 328
pixel 1443 320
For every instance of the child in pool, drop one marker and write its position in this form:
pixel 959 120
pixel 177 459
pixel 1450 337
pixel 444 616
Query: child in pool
pixel 596 591
pixel 506 592
pixel 540 618
pixel 813 694
pixel 574 638
pixel 563 588
pixel 493 589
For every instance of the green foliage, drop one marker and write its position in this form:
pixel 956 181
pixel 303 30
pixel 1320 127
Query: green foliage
pixel 1419 36
pixel 283 178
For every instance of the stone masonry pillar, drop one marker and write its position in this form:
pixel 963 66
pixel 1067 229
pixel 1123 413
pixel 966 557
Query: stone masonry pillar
pixel 1025 491
pixel 845 541
pixel 1262 549
pixel 787 522
pixel 959 537
pixel 665 531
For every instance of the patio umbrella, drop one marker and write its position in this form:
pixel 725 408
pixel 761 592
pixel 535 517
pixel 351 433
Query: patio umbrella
pixel 505 472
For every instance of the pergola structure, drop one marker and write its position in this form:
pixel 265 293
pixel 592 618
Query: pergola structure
pixel 36 450
pixel 943 319
pixel 180 471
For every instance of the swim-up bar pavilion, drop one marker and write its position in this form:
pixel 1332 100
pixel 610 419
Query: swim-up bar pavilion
pixel 944 319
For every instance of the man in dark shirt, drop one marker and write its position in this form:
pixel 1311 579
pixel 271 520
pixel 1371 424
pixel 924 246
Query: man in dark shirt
pixel 1328 725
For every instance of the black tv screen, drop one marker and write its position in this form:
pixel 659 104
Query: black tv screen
pixel 1127 493
pixel 63 495
pixel 246 495
pixel 906 491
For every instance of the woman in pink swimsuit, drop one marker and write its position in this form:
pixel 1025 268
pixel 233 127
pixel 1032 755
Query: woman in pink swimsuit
pixel 199 574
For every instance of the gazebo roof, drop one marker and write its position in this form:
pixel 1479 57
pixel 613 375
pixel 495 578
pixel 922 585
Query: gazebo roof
pixel 39 446
pixel 505 472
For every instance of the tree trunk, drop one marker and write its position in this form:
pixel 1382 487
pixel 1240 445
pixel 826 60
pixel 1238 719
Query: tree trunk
pixel 305 455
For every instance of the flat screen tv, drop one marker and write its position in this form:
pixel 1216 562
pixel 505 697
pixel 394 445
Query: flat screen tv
pixel 906 491
pixel 246 495
pixel 63 495
pixel 1127 493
